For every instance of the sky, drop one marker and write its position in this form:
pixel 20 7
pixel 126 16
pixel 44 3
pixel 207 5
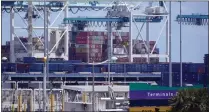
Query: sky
pixel 194 38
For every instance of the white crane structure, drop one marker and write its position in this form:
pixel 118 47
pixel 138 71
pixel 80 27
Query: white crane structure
pixel 33 10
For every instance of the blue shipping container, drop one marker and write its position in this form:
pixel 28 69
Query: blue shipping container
pixel 4 67
pixel 65 67
pixel 144 68
pixel 150 68
pixel 53 67
pixel 138 68
pixel 11 67
pixel 36 68
pixel 29 59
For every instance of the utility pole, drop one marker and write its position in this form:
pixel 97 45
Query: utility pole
pixel 170 64
pixel 180 50
pixel 93 99
pixel 45 55
pixel 30 28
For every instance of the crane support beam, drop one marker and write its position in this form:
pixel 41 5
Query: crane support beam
pixel 193 19
pixel 101 6
pixel 192 16
pixel 73 20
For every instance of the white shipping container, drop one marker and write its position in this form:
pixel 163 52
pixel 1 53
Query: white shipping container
pixel 97 42
pixel 119 51
pixel 94 50
pixel 138 46
pixel 81 46
pixel 124 34
pixel 92 54
pixel 143 51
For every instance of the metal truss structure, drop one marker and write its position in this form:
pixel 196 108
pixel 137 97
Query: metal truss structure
pixel 193 19
pixel 120 15
pixel 34 9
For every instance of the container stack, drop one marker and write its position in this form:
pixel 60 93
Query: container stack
pixel 5 50
pixel 18 46
pixel 139 48
pixel 88 47
pixel 96 44
pixel 37 44
pixel 120 47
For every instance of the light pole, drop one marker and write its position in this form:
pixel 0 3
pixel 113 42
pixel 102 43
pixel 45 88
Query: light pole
pixel 180 50
pixel 45 58
pixel 112 59
pixel 93 87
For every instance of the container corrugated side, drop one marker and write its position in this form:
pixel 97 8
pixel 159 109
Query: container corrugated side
pixel 149 109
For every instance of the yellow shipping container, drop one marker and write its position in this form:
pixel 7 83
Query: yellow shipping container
pixel 150 109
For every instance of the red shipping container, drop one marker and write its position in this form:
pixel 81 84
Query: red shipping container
pixel 82 56
pixel 82 34
pixel 154 60
pixel 23 68
pixel 125 38
pixel 100 33
pixel 96 50
pixel 92 33
pixel 81 40
pixel 95 55
pixel 95 59
pixel 124 59
pixel 152 42
pixel 143 60
pixel 99 54
pixel 105 37
pixel 97 46
pixel 72 57
pixel 136 60
pixel 114 33
pixel 103 69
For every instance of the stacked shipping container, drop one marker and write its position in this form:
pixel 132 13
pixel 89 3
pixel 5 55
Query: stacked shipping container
pixel 88 47
pixel 5 50
pixel 97 48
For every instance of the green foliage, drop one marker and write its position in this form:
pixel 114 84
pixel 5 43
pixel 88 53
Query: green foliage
pixel 191 100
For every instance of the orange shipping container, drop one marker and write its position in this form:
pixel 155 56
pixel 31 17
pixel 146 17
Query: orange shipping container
pixel 150 109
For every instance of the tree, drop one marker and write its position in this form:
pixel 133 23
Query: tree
pixel 191 100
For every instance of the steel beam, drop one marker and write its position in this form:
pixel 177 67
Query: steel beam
pixel 130 38
pixel 12 52
pixel 170 64
pixel 144 55
pixel 144 19
pixel 192 16
pixel 30 29
pixel 32 0
pixel 57 7
pixel 77 75
pixel 66 34
pixel 40 28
